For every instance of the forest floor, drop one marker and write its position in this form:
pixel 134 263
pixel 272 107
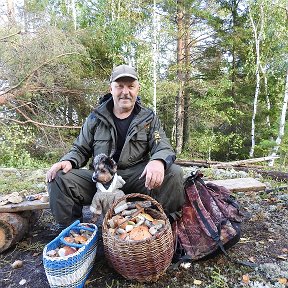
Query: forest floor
pixel 263 241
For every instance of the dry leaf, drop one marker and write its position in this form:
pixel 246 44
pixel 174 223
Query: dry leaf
pixel 245 279
pixel 282 257
pixel 197 282
pixel 22 282
pixel 285 250
pixel 245 240
pixel 282 281
pixel 252 259
pixel 185 265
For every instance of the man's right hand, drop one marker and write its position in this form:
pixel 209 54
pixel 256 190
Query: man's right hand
pixel 66 166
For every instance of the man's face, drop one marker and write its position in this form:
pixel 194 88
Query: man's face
pixel 124 91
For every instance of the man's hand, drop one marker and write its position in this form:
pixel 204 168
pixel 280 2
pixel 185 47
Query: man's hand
pixel 154 172
pixel 66 166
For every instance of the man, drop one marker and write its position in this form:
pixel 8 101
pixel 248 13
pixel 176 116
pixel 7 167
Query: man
pixel 132 135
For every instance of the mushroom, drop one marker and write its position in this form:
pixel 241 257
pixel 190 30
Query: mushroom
pixel 123 236
pixel 15 198
pixel 128 212
pixel 52 253
pixel 139 220
pixel 147 216
pixel 154 229
pixel 80 239
pixel 44 198
pixel 17 264
pixel 66 250
pixel 129 228
pixel 140 233
pixel 69 239
pixel 158 221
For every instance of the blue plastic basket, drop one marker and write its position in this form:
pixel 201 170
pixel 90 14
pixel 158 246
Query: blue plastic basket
pixel 71 271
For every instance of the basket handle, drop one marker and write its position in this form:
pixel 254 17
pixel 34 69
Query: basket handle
pixel 75 226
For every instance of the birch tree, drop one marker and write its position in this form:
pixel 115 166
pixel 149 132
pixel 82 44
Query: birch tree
pixel 258 35
pixel 11 12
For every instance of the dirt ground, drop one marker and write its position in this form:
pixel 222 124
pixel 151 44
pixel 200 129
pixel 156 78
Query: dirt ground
pixel 263 241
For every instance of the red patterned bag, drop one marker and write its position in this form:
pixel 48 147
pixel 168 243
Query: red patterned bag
pixel 210 221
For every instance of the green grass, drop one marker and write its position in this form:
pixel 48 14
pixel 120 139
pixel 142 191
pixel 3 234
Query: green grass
pixel 23 181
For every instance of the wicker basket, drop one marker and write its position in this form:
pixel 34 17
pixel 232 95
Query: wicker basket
pixel 145 260
pixel 71 271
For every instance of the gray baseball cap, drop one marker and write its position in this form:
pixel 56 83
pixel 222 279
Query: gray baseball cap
pixel 123 71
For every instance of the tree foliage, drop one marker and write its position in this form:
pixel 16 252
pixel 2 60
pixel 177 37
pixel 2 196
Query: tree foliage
pixel 55 62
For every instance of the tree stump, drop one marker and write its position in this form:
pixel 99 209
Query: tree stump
pixel 14 226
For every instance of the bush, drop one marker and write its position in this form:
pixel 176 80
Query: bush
pixel 14 142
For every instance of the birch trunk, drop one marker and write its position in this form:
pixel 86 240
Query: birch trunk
pixel 11 12
pixel 180 74
pixel 257 38
pixel 268 104
pixel 282 123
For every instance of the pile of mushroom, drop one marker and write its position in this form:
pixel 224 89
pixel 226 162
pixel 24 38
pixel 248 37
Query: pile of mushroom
pixel 74 237
pixel 13 198
pixel 132 223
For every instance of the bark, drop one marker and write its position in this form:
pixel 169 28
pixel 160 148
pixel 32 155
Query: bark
pixel 13 227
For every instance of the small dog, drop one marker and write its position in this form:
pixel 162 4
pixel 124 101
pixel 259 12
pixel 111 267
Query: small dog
pixel 108 185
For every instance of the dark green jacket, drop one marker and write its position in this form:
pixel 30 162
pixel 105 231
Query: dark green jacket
pixel 145 138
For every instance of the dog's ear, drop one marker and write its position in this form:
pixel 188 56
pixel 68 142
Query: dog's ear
pixel 112 164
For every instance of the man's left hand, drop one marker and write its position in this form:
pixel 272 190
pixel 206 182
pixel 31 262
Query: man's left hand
pixel 154 172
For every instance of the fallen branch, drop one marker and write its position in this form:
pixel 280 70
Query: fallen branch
pixel 244 162
pixel 276 175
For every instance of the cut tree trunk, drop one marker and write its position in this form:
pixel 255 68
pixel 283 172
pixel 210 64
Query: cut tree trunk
pixel 14 226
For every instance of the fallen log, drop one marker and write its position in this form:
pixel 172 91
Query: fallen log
pixel 24 206
pixel 244 162
pixel 217 164
pixel 14 226
pixel 273 174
